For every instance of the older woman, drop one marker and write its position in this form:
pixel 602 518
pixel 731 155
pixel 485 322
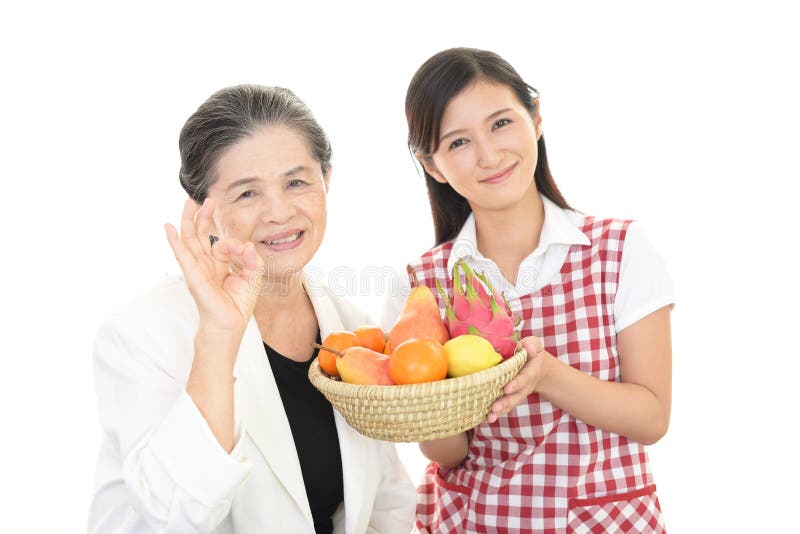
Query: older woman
pixel 210 423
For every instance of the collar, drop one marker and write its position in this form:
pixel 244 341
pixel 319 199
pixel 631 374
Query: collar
pixel 557 229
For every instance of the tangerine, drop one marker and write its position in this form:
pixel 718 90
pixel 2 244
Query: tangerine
pixel 371 337
pixel 337 340
pixel 418 360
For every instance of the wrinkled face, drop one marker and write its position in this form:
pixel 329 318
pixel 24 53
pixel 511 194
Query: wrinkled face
pixel 487 150
pixel 271 191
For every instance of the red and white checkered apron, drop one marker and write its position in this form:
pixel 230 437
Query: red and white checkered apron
pixel 538 469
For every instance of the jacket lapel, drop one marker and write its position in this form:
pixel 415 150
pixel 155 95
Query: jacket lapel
pixel 354 461
pixel 354 469
pixel 263 417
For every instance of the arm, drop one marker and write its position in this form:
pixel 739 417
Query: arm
pixel 210 384
pixel 452 450
pixel 219 281
pixel 447 452
pixel 639 406
pixel 156 438
pixel 168 440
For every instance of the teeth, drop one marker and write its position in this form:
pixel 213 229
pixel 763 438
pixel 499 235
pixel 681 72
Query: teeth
pixel 285 239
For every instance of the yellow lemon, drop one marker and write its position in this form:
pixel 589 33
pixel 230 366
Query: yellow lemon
pixel 469 354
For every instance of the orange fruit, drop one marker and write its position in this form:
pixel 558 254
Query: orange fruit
pixel 418 360
pixel 337 340
pixel 327 361
pixel 371 337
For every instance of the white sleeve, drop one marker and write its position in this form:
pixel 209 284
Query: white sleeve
pixel 644 281
pixel 178 478
pixel 395 502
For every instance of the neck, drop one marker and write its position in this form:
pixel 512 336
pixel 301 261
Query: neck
pixel 281 297
pixel 508 236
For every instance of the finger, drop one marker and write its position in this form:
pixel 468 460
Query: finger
pixel 504 405
pixel 227 249
pixel 253 269
pixel 247 260
pixel 185 258
pixel 189 228
pixel 251 258
pixel 203 221
pixel 533 345
pixel 227 254
pixel 497 410
pixel 525 379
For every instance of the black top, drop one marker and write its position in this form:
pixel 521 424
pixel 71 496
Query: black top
pixel 314 432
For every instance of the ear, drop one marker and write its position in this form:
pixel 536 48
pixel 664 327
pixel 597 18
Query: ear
pixel 537 119
pixel 326 178
pixel 430 168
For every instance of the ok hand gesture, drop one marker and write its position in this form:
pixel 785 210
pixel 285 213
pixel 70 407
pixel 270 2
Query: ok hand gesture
pixel 221 277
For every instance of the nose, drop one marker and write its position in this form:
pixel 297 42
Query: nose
pixel 489 155
pixel 278 208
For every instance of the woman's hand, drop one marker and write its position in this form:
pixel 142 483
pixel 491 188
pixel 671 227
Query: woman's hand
pixel 220 277
pixel 522 385
pixel 221 281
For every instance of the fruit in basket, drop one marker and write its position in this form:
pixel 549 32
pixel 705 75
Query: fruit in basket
pixel 338 340
pixel 476 308
pixel 360 365
pixel 419 319
pixel 418 360
pixel 467 354
pixel 371 337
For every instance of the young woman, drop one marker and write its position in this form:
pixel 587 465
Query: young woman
pixel 571 458
pixel 210 423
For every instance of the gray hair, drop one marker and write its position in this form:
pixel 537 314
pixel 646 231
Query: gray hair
pixel 234 113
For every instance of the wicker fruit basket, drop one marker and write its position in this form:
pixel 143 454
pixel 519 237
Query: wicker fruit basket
pixel 418 412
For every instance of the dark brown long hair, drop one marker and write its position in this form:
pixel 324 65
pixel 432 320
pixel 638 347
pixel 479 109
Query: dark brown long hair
pixel 434 84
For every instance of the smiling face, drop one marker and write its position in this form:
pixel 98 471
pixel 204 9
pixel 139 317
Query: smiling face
pixel 271 191
pixel 487 147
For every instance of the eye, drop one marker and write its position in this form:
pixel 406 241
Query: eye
pixel 295 182
pixel 499 123
pixel 247 194
pixel 457 143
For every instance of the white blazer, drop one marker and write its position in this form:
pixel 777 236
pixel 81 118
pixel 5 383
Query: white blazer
pixel 162 470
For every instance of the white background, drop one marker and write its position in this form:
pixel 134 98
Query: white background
pixel 684 117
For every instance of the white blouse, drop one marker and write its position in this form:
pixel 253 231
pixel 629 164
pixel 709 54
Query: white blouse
pixel 644 281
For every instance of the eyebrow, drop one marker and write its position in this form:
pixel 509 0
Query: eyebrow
pixel 244 181
pixel 454 132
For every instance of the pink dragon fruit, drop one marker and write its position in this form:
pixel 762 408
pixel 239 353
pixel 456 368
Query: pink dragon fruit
pixel 474 310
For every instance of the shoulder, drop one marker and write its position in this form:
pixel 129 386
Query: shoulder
pixel 433 256
pixel 432 264
pixel 638 249
pixel 332 306
pixel 164 306
pixel 645 283
pixel 601 229
pixel 158 324
pixel 352 315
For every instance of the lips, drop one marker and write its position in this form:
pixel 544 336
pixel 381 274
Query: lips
pixel 500 176
pixel 284 240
